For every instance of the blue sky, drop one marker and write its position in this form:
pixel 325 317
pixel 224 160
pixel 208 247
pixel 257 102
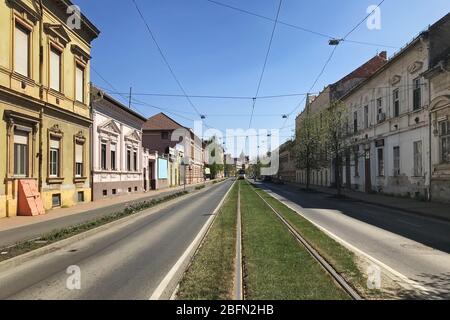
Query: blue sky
pixel 218 51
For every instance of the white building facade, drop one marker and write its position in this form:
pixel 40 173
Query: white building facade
pixel 118 165
pixel 389 122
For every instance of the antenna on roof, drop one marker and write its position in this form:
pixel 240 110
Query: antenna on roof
pixel 129 99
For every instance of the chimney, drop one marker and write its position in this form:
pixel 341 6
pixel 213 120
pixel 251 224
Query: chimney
pixel 383 54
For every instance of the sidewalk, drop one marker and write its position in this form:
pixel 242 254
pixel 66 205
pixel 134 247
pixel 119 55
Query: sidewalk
pixel 16 229
pixel 431 209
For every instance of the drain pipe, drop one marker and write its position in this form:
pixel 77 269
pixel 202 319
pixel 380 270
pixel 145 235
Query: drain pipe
pixel 41 95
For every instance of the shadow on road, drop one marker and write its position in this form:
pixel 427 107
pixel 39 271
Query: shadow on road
pixel 429 232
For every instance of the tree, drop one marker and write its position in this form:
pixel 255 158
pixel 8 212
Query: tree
pixel 335 134
pixel 308 144
pixel 214 157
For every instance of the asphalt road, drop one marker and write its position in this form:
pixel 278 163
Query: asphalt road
pixel 32 231
pixel 125 262
pixel 416 246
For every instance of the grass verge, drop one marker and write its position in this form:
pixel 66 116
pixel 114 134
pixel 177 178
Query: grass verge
pixel 342 259
pixel 210 275
pixel 276 266
pixel 61 234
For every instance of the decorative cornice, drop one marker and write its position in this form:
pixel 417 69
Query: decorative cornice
pixel 83 55
pixel 109 127
pixel 395 79
pixel 57 31
pixel 134 136
pixel 416 66
pixel 55 129
pixel 80 137
pixel 21 7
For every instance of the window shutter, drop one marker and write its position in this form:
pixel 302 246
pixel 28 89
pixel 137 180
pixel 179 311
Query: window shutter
pixel 78 153
pixel 79 83
pixel 54 143
pixel 20 137
pixel 55 72
pixel 21 50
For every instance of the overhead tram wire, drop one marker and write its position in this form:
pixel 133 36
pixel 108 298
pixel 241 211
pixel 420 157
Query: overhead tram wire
pixel 178 112
pixel 165 60
pixel 331 56
pixel 125 99
pixel 138 102
pixel 155 94
pixel 327 36
pixel 265 62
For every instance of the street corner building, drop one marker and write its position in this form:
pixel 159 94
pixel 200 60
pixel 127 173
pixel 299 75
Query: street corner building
pixel 118 158
pixel 44 107
pixel 179 150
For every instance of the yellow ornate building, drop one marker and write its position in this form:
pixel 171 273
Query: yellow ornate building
pixel 44 105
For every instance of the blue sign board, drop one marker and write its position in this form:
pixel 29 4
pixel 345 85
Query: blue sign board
pixel 162 168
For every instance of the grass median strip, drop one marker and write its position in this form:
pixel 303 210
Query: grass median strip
pixel 276 265
pixel 61 234
pixel 210 275
pixel 342 259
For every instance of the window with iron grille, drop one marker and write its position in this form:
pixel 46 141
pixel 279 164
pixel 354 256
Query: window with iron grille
pixel 56 200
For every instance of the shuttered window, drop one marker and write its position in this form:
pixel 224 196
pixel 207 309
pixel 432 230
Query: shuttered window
pixel 78 160
pixel 20 153
pixel 55 69
pixel 22 50
pixel 79 84
pixel 54 157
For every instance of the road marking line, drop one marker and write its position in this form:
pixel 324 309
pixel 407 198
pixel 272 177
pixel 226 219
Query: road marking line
pixel 411 282
pixel 163 285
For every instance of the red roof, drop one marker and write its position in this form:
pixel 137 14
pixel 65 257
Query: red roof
pixel 161 122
